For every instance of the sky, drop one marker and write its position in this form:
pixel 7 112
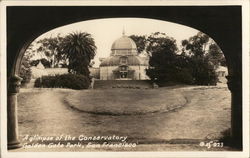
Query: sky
pixel 106 31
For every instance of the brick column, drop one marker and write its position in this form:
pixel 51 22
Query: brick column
pixel 14 83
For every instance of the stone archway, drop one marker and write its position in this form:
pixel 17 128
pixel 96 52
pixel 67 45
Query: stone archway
pixel 222 23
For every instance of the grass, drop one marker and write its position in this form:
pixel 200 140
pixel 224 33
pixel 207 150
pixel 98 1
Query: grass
pixel 139 114
pixel 125 102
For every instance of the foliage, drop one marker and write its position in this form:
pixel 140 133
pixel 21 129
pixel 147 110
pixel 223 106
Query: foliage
pixel 72 81
pixel 193 66
pixel 44 61
pixel 163 63
pixel 30 51
pixel 160 42
pixel 202 64
pixel 203 72
pixel 51 48
pixel 196 45
pixel 215 55
pixel 79 49
pixel 73 51
pixel 183 70
pixel 25 71
pixel 140 42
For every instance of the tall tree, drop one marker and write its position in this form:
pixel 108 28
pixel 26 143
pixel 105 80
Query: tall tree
pixel 203 70
pixel 158 42
pixel 140 42
pixel 79 48
pixel 51 48
pixel 215 55
pixel 196 45
pixel 162 62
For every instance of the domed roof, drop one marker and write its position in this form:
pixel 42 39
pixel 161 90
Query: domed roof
pixel 131 60
pixel 124 43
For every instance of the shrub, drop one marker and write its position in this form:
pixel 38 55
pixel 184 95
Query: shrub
pixel 203 72
pixel 172 76
pixel 71 81
pixel 184 76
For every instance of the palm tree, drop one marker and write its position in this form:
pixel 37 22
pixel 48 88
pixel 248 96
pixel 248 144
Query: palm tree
pixel 79 48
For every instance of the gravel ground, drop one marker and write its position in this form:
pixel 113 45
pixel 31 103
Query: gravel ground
pixel 204 111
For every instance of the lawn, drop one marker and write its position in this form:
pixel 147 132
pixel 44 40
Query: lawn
pixel 148 116
pixel 126 101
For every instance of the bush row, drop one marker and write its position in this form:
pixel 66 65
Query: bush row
pixel 71 81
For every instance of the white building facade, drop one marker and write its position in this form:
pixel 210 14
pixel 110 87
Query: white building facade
pixel 124 63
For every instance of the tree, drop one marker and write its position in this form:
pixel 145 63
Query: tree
pixel 196 45
pixel 79 48
pixel 52 48
pixel 215 55
pixel 203 70
pixel 158 42
pixel 162 62
pixel 140 42
pixel 30 51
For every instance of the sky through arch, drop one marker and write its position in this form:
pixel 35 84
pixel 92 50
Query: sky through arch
pixel 106 31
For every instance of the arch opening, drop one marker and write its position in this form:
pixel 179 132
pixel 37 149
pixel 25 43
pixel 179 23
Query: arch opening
pixel 17 61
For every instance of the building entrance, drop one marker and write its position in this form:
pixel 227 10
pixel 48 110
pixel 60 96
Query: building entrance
pixel 124 74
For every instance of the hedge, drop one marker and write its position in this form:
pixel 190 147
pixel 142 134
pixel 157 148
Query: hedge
pixel 71 81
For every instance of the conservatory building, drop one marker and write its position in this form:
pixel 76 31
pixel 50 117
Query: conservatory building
pixel 124 63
